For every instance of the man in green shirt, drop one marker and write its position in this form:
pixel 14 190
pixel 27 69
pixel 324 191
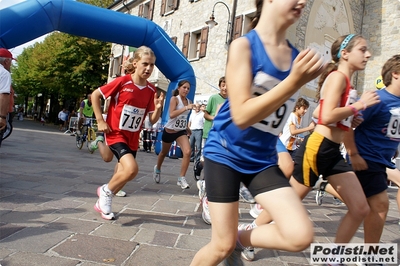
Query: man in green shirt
pixel 213 105
pixel 85 111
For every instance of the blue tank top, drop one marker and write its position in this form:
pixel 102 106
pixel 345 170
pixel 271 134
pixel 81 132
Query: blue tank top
pixel 378 136
pixel 253 149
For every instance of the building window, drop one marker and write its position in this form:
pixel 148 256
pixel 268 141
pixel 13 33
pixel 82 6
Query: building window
pixel 248 18
pixel 238 27
pixel 146 10
pixel 115 66
pixel 195 44
pixel 168 6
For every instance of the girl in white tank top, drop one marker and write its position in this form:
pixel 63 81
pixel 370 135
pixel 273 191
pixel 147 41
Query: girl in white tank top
pixel 176 130
pixel 179 122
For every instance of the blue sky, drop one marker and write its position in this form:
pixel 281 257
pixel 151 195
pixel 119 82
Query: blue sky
pixel 18 50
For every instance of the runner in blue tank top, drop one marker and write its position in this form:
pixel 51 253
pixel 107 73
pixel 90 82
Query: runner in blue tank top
pixel 264 73
pixel 376 142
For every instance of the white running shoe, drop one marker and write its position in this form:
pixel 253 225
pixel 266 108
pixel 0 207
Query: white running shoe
pixel 182 182
pixel 156 174
pixel 103 204
pixel 244 226
pixel 206 212
pixel 319 196
pixel 248 252
pixel 245 195
pixel 320 187
pixel 201 185
pixel 337 202
pixel 234 259
pixel 120 193
pixel 255 210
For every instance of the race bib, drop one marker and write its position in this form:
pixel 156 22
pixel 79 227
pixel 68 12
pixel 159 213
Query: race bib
pixel 274 123
pixel 350 100
pixel 131 118
pixel 180 123
pixel 393 129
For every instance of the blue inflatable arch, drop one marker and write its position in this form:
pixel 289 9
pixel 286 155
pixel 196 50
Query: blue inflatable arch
pixel 31 19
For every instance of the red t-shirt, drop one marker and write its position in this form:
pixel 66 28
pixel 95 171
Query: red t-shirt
pixel 128 108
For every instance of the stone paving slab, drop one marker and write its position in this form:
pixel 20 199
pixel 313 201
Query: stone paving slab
pixel 48 189
pixel 35 259
pixel 96 249
pixel 34 240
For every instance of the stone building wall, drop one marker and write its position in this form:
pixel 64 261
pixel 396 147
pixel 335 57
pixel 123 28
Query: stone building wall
pixel 381 28
pixel 322 22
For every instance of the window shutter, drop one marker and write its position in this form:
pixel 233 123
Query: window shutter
pixel 203 42
pixel 185 46
pixel 237 29
pixel 162 11
pixel 140 14
pixel 174 39
pixel 176 3
pixel 116 67
pixel 151 10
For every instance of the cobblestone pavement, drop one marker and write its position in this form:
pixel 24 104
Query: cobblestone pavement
pixel 48 189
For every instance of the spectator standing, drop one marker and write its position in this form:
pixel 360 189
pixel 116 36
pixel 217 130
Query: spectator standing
pixel 157 127
pixel 196 123
pixel 62 119
pixel 213 105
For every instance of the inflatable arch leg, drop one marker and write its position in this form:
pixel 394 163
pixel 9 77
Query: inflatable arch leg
pixel 31 19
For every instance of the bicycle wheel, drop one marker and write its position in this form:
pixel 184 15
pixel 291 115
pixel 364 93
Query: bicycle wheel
pixel 8 130
pixel 79 142
pixel 90 137
pixel 91 134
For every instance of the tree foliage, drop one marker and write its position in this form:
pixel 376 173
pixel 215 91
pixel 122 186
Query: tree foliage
pixel 63 66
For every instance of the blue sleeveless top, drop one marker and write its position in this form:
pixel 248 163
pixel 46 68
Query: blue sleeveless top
pixel 378 136
pixel 253 149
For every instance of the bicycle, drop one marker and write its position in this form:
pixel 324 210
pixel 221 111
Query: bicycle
pixel 88 134
pixel 8 129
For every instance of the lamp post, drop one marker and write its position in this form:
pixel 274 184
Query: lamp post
pixel 229 31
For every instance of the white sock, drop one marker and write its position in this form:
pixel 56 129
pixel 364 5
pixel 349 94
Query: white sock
pixel 253 225
pixel 106 189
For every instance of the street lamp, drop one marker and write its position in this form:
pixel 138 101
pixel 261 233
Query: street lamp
pixel 212 23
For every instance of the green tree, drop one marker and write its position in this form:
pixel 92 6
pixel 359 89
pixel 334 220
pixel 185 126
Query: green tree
pixel 100 3
pixel 63 68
